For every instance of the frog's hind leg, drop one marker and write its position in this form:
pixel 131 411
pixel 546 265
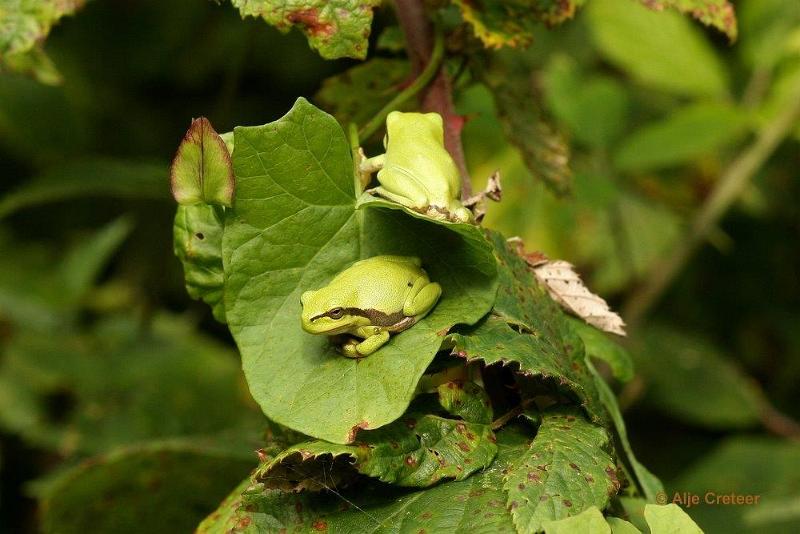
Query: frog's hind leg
pixel 410 202
pixel 422 296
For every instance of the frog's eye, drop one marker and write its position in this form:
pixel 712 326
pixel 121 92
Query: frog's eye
pixel 336 313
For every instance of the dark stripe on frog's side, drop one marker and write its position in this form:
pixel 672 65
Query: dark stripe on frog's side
pixel 394 322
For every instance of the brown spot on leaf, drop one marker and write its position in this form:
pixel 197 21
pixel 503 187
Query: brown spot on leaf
pixel 463 446
pixel 533 477
pixel 411 423
pixel 426 515
pixel 309 19
pixel 410 461
pixel 567 503
pixel 320 525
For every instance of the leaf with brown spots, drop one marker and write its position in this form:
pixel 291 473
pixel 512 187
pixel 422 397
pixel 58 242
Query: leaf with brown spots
pixel 417 450
pixel 511 23
pixel 337 28
pixel 716 13
pixel 566 470
pixel 530 332
pixel 476 505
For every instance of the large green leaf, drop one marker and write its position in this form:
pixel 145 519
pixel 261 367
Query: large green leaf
pixel 661 49
pixel 158 487
pixel 565 471
pixel 474 505
pixel 338 28
pixel 686 134
pixel 293 228
pixel 517 101
pixel 419 449
pixel 197 240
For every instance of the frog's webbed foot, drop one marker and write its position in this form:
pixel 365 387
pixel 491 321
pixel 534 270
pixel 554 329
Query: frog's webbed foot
pixel 422 297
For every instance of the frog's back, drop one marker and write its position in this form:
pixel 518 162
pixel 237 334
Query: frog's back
pixel 384 280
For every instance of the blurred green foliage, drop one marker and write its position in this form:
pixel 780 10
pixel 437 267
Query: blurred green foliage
pixel 101 350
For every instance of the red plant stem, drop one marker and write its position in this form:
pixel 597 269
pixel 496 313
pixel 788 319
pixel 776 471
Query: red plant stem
pixel 419 34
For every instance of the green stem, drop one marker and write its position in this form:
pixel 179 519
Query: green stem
pixel 728 189
pixel 416 86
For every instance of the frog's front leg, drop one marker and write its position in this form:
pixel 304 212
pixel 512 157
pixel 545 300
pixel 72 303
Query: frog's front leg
pixel 368 346
pixel 373 164
pixel 422 296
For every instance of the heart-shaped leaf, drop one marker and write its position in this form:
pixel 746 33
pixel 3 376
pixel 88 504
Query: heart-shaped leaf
pixel 294 227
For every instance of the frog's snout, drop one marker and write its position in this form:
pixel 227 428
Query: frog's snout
pixel 305 296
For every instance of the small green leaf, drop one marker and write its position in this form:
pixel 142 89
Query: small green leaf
pixel 683 136
pixel 201 170
pixel 565 471
pixel 518 105
pixel 620 526
pixel 669 519
pixel 660 49
pixel 294 227
pixel 600 345
pixel 716 13
pixel 197 240
pixel 118 492
pixel 649 484
pixel 360 92
pixel 466 400
pixel 590 521
pixel 512 23
pixel 416 450
pixel 338 28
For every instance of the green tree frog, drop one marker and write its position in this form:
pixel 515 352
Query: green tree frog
pixel 371 299
pixel 416 170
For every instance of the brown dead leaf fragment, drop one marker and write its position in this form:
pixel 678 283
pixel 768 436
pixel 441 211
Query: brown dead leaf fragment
pixel 566 287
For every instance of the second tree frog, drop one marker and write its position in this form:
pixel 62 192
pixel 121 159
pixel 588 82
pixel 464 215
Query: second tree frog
pixel 416 170
pixel 371 300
